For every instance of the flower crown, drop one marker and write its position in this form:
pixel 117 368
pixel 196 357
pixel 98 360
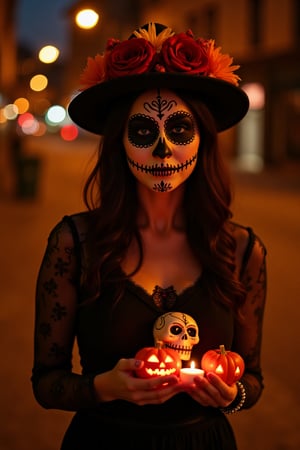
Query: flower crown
pixel 162 52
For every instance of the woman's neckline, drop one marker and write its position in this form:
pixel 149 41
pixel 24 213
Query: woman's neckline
pixel 181 293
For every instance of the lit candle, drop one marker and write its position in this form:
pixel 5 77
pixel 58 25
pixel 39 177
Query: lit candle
pixel 187 374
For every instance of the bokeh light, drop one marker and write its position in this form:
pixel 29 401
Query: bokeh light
pixel 22 104
pixel 38 82
pixel 3 119
pixel 256 94
pixel 30 125
pixel 69 132
pixel 48 54
pixel 42 129
pixel 23 118
pixel 87 18
pixel 55 115
pixel 10 111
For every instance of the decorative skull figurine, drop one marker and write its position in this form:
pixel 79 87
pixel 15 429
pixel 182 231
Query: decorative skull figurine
pixel 178 331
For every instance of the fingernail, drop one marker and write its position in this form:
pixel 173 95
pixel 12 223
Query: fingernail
pixel 137 363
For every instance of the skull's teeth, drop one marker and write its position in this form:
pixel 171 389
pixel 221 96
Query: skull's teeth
pixel 180 349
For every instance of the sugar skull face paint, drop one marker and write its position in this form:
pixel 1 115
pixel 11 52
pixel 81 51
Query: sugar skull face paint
pixel 161 140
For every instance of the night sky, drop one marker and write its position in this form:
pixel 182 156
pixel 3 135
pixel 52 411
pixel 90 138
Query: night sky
pixel 40 23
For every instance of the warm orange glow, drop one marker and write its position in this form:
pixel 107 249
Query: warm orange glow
pixel 41 130
pixel 38 83
pixel 2 116
pixel 153 358
pixel 187 374
pixel 22 104
pixel 41 106
pixel 219 369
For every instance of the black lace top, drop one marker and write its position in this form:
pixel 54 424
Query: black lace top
pixel 105 333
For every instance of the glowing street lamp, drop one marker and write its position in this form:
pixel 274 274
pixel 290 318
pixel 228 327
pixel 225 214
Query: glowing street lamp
pixel 38 82
pixel 87 18
pixel 48 54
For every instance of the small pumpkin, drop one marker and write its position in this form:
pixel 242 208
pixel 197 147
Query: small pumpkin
pixel 158 361
pixel 228 365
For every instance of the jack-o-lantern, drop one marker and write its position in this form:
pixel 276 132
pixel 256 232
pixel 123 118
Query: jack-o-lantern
pixel 158 362
pixel 228 365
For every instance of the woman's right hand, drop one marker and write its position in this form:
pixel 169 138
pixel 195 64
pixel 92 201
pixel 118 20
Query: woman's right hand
pixel 120 383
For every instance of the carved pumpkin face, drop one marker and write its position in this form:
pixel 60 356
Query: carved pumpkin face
pixel 158 362
pixel 228 365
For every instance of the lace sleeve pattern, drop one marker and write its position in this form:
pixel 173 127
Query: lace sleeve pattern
pixel 248 333
pixel 54 383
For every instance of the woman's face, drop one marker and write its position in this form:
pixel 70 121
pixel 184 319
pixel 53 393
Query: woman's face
pixel 161 140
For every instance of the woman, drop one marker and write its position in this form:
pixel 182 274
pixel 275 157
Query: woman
pixel 157 237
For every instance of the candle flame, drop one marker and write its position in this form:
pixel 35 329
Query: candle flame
pixel 192 365
pixel 219 369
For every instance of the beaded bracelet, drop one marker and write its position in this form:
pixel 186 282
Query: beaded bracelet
pixel 242 396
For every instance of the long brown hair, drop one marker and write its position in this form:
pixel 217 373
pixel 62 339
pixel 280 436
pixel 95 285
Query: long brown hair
pixel 110 195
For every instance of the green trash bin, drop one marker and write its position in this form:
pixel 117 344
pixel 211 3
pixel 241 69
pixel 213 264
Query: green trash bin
pixel 28 172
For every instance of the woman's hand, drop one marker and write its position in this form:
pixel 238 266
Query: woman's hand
pixel 120 383
pixel 211 390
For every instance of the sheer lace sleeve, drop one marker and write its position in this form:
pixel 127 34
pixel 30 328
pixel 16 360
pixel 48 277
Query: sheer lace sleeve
pixel 54 384
pixel 248 335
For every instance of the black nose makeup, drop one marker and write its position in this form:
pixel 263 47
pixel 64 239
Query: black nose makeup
pixel 162 150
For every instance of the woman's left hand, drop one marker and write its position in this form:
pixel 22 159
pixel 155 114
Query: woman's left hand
pixel 211 390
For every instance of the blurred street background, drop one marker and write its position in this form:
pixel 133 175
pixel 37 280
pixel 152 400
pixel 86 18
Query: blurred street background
pixel 45 159
pixel 269 202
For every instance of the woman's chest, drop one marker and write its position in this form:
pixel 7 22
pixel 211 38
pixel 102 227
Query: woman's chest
pixel 107 333
pixel 166 262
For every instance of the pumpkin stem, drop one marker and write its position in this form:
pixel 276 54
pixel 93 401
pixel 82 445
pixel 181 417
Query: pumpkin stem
pixel 159 344
pixel 222 350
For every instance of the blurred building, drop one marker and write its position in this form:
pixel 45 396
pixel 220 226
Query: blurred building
pixel 263 36
pixel 8 52
pixel 8 78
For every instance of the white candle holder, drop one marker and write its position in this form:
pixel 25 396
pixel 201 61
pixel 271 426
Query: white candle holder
pixel 187 374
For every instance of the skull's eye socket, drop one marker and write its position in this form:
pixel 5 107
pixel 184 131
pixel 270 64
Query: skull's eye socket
pixel 142 131
pixel 168 359
pixel 153 359
pixel 179 128
pixel 192 332
pixel 176 329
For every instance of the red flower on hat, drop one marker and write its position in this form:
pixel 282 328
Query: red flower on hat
pixel 182 53
pixel 165 52
pixel 131 57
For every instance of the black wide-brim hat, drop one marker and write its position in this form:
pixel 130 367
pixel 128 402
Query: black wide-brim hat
pixel 227 102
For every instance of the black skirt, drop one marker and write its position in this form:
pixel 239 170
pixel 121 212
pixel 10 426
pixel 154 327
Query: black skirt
pixel 90 431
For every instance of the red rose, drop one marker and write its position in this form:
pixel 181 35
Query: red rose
pixel 134 56
pixel 181 53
